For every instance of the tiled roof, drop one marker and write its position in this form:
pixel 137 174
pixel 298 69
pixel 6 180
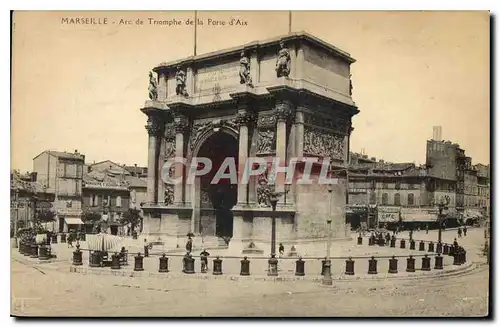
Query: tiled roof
pixel 102 179
pixel 66 155
pixel 17 183
pixel 136 182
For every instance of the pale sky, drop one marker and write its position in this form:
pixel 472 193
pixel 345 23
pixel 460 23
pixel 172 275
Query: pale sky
pixel 81 87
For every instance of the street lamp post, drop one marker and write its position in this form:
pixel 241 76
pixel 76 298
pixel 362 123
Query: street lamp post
pixel 327 275
pixel 443 205
pixel 273 198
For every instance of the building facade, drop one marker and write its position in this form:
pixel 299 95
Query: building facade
pixel 61 173
pixel 285 97
pixel 106 196
pixel 27 199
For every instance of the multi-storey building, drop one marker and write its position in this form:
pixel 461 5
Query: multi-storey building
pixel 61 173
pixel 404 191
pixel 27 198
pixel 107 196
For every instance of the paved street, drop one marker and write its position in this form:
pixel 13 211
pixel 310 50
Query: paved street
pixel 49 289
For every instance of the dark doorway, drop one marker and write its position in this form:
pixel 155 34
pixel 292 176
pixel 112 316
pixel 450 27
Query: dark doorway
pixel 223 195
pixel 61 224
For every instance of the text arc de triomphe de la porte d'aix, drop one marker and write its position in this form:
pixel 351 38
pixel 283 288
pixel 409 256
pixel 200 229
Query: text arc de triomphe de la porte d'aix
pixel 285 97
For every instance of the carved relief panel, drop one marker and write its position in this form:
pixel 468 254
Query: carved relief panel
pixel 322 143
pixel 266 134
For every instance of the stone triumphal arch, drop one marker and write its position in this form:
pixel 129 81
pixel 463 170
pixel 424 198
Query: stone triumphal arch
pixel 285 97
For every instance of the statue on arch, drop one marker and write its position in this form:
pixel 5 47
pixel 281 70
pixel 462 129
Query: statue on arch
pixel 180 80
pixel 153 87
pixel 245 77
pixel 283 61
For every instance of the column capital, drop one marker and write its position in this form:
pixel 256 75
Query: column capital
pixel 244 118
pixel 283 109
pixel 155 126
pixel 181 123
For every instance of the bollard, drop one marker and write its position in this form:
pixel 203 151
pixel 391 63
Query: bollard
pixel 393 265
pixel 393 242
pixel 323 264
pixel 439 262
pixel 371 240
pixel 410 264
pixel 372 266
pixel 431 247
pixel 44 253
pixel 77 256
pixel 421 246
pixel 299 266
pixel 163 264
pixel 94 259
pixel 349 266
pixel 146 251
pixel 34 251
pixel 63 238
pixel 217 266
pixel 188 265
pixel 402 244
pixel 245 267
pixel 446 249
pixel 138 262
pixel 426 263
pixel 360 240
pixel 27 249
pixel 54 239
pixel 451 251
pixel 456 260
pixel 115 261
pixel 439 247
pixel 381 240
pixel 272 266
pixel 412 244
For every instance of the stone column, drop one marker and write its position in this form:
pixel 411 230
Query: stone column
pixel 283 108
pixel 243 119
pixel 181 125
pixel 155 130
pixel 299 133
pixel 161 160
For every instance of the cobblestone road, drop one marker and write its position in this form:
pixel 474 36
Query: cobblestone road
pixel 41 291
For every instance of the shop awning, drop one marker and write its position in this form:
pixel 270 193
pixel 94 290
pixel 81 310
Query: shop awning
pixel 73 221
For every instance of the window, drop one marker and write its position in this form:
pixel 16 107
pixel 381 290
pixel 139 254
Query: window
pixel 385 198
pixel 385 185
pixel 397 199
pixel 118 201
pixel 91 201
pixel 95 201
pixel 411 199
pixel 398 185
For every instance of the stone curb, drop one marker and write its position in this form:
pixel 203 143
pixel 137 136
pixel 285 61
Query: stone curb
pixel 316 279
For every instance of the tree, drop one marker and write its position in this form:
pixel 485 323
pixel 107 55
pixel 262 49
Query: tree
pixel 132 217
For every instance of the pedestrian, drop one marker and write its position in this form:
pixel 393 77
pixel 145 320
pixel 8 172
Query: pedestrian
pixel 204 260
pixel 465 230
pixel 427 228
pixel 281 250
pixel 70 240
pixel 189 244
pixel 459 232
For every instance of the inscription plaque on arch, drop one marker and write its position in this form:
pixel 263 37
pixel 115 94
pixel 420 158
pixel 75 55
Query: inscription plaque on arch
pixel 221 76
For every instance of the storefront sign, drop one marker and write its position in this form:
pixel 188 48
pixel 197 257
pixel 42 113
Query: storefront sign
pixel 69 212
pixel 388 214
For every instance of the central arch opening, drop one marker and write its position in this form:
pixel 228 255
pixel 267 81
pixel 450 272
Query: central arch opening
pixel 223 195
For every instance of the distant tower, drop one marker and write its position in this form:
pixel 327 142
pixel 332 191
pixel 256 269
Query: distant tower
pixel 436 133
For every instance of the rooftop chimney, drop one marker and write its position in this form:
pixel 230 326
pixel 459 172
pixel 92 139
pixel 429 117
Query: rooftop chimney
pixel 436 133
